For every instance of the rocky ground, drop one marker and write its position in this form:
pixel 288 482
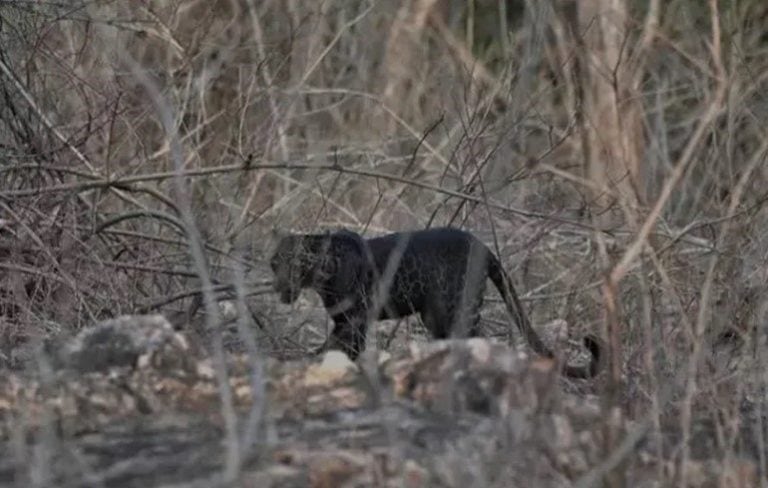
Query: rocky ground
pixel 131 402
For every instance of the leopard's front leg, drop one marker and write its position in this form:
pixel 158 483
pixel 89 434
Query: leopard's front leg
pixel 348 334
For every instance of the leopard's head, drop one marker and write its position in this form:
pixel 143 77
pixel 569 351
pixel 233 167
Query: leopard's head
pixel 295 265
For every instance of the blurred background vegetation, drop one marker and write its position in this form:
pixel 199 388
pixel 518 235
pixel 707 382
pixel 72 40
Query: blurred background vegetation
pixel 613 152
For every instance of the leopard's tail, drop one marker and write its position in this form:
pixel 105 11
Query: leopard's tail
pixel 502 282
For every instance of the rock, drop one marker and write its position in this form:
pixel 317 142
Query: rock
pixel 335 366
pixel 141 406
pixel 120 342
pixel 334 469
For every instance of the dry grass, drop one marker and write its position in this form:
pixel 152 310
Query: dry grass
pixel 149 152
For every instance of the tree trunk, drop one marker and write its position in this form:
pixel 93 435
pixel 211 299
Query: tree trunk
pixel 610 109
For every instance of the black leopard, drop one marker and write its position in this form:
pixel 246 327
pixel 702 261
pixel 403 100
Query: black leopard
pixel 438 273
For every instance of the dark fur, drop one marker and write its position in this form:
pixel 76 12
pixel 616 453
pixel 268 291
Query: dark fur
pixel 439 273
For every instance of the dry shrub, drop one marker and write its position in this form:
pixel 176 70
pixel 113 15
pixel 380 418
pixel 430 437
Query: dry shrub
pixel 525 121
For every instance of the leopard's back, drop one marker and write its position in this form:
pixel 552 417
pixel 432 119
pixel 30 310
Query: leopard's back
pixel 430 265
